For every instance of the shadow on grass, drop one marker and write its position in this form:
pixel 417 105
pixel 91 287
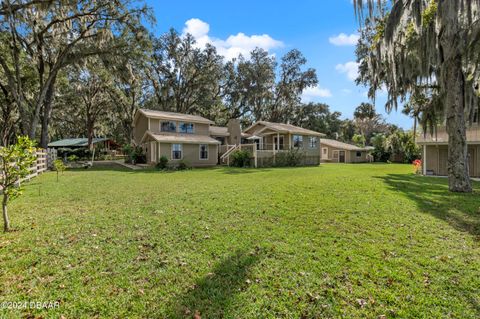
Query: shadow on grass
pixel 431 194
pixel 214 293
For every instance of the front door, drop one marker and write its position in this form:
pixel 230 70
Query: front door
pixel 341 157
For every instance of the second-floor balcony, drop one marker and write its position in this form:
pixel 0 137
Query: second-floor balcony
pixel 441 136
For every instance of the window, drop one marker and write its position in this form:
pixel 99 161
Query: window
pixel 325 151
pixel 168 127
pixel 335 154
pixel 203 151
pixel 313 142
pixel 185 128
pixel 359 154
pixel 297 141
pixel 176 151
pixel 278 145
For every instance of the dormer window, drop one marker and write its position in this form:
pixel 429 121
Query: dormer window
pixel 168 127
pixel 186 128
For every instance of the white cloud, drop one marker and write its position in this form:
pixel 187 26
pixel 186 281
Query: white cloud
pixel 312 94
pixel 232 46
pixel 343 39
pixel 350 69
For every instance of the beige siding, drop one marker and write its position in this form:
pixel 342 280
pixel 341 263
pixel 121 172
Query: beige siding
pixel 140 128
pixel 191 154
pixel 437 158
pixel 350 156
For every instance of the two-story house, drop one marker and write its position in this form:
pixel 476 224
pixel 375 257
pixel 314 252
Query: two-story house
pixel 178 137
pixel 435 151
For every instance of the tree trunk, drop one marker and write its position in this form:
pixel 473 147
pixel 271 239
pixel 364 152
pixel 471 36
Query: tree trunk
pixel 458 172
pixel 90 129
pixel 47 112
pixel 6 221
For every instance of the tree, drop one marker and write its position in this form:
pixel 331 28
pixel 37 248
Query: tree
pixel 318 117
pixel 185 78
pixel 293 81
pixel 359 140
pixel 15 162
pixel 419 44
pixel 83 102
pixel 249 85
pixel 367 121
pixel 50 35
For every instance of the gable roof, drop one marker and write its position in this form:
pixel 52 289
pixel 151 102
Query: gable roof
pixel 284 128
pixel 180 138
pixel 154 114
pixel 345 146
pixel 219 131
pixel 76 142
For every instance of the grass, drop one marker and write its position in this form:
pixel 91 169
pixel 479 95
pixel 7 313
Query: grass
pixel 320 242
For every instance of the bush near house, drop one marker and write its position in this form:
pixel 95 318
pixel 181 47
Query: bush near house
pixel 162 163
pixel 241 158
pixel 134 154
pixel 289 158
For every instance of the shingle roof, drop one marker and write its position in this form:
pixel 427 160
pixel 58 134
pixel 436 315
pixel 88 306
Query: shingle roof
pixel 181 138
pixel 286 128
pixel 219 131
pixel 345 146
pixel 76 142
pixel 174 116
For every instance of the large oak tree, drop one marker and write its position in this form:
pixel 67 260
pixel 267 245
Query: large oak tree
pixel 429 45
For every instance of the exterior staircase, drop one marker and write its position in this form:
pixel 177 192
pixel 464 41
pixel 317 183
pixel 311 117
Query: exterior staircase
pixel 225 158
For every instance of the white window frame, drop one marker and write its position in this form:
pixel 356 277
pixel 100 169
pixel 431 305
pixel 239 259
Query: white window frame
pixel 310 139
pixel 172 149
pixel 180 124
pixel 337 153
pixel 200 152
pixel 276 145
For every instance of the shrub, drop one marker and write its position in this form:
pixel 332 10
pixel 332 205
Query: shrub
pixel 162 163
pixel 72 158
pixel 22 154
pixel 134 154
pixel 291 158
pixel 241 158
pixel 182 165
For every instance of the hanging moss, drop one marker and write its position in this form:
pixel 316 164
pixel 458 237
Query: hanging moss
pixel 429 13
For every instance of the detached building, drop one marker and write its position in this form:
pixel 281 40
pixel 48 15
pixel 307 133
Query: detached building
pixel 435 151
pixel 334 151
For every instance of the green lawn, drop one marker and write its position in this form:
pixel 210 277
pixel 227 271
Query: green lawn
pixel 320 242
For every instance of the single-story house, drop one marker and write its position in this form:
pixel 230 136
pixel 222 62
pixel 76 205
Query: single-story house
pixel 270 139
pixel 435 151
pixel 178 137
pixel 338 152
pixel 82 142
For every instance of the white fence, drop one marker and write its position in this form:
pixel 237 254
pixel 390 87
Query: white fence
pixel 39 166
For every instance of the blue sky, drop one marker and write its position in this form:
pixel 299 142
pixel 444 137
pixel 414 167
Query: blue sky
pixel 311 26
